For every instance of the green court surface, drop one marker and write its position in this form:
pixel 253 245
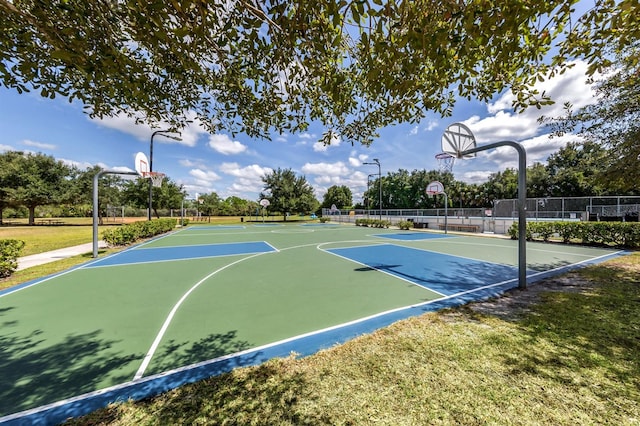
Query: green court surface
pixel 237 295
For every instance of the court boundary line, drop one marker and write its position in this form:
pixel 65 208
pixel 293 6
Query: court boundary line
pixel 439 236
pixel 445 254
pixel 382 271
pixel 529 248
pixel 189 258
pixel 87 264
pixel 38 414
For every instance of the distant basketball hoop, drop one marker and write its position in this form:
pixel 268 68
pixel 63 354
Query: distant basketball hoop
pixel 445 162
pixel 435 188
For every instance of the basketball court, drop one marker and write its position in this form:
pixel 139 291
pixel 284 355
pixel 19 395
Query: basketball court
pixel 206 299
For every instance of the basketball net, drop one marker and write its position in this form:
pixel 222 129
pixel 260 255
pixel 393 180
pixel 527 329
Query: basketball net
pixel 445 162
pixel 156 178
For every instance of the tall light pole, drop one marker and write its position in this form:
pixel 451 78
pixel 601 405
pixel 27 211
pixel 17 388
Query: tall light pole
pixel 168 134
pixel 376 162
pixel 369 198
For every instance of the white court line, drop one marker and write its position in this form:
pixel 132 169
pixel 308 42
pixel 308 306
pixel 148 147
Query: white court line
pixel 513 247
pixel 382 271
pixel 86 265
pixel 167 321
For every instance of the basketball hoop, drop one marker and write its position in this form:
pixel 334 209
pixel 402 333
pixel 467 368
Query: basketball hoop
pixel 445 161
pixel 156 178
pixel 434 188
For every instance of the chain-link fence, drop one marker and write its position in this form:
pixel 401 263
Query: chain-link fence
pixel 612 208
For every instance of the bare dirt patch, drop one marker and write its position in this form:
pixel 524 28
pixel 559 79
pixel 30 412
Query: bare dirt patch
pixel 513 304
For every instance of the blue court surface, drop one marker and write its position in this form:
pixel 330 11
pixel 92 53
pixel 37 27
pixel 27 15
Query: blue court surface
pixel 163 254
pixel 444 274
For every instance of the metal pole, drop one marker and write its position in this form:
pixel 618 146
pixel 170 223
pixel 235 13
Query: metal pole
pixel 446 201
pixel 379 186
pixel 151 169
pixel 165 134
pixel 376 162
pixel 522 199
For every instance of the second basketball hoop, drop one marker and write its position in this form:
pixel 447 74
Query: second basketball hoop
pixel 445 162
pixel 156 178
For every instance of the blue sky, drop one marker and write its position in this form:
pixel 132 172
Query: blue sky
pixel 234 165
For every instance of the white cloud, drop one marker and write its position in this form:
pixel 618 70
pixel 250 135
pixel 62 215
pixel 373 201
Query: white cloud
pixel 204 177
pixel 252 171
pixel 321 147
pixel 431 124
pixel 413 131
pixel 39 145
pixel 504 124
pixel 572 86
pixel 354 162
pixel 81 165
pixel 123 123
pixel 224 145
pixel 477 176
pixel 326 169
pixel 248 179
pixel 188 163
pixel 4 148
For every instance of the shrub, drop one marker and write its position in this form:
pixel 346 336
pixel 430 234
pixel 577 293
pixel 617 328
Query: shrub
pixel 325 219
pixel 9 253
pixel 543 230
pixel 405 224
pixel 623 234
pixel 127 234
pixel 374 223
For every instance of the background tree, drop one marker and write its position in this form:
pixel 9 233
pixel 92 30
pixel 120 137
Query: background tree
pixel 10 163
pixel 256 66
pixel 288 193
pixel 404 190
pixel 539 183
pixel 109 190
pixel 574 170
pixel 340 195
pixel 502 185
pixel 613 122
pixel 170 195
pixel 209 204
pixel 42 180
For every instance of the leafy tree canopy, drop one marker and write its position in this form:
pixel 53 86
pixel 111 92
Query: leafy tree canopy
pixel 169 195
pixel 257 66
pixel 340 195
pixel 288 193
pixel 33 180
pixel 613 122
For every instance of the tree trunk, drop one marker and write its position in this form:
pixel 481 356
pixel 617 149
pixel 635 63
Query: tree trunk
pixel 32 215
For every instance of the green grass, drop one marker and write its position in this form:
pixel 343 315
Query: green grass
pixel 570 357
pixel 39 239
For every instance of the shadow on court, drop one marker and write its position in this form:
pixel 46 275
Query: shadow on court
pixel 457 277
pixel 180 354
pixel 34 375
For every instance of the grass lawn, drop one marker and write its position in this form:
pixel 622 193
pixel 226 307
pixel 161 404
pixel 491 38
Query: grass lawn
pixel 564 352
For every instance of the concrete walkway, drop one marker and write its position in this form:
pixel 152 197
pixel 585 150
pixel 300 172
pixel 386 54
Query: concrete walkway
pixel 51 256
